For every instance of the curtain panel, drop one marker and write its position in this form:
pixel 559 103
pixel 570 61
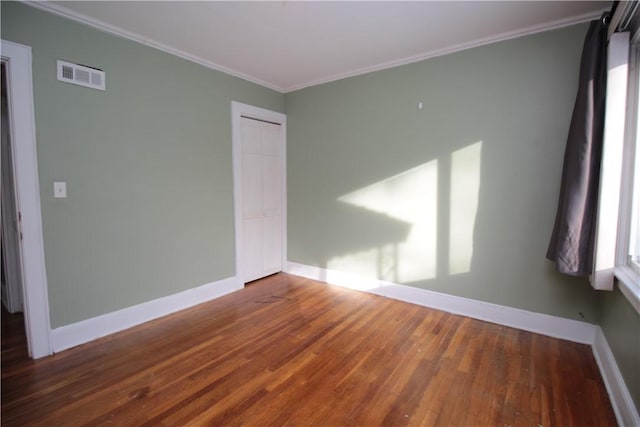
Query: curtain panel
pixel 572 242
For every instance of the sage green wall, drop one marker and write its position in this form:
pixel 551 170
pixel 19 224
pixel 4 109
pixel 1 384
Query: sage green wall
pixel 364 141
pixel 148 167
pixel 620 323
pixel 149 171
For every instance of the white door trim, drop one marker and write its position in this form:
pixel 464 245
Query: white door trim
pixel 36 299
pixel 237 111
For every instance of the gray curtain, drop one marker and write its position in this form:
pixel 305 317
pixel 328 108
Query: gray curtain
pixel 571 246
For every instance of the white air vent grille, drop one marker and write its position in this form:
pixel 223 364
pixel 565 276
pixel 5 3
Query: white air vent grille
pixel 81 75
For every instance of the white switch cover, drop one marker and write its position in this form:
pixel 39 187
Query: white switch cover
pixel 60 190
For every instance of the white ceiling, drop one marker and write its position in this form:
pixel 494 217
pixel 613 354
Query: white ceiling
pixel 287 45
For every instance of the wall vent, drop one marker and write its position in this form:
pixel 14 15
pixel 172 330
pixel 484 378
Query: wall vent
pixel 81 75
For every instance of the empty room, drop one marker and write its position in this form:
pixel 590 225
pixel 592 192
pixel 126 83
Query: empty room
pixel 319 213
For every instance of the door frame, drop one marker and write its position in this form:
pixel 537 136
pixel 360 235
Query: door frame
pixel 238 110
pixel 27 191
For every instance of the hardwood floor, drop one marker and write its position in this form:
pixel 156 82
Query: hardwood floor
pixel 14 342
pixel 291 351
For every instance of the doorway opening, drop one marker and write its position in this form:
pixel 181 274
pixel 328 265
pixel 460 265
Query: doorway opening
pixel 11 277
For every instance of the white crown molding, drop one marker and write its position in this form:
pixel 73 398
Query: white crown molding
pixel 553 25
pixel 62 11
pixel 557 327
pixel 112 29
pixel 623 406
pixel 88 330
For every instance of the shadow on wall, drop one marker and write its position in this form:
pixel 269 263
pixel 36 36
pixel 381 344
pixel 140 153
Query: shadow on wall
pixel 366 243
pixel 412 253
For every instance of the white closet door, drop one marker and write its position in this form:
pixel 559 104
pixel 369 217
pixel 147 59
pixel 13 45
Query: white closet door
pixel 261 199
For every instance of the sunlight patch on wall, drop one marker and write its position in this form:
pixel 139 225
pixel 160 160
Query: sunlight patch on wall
pixel 465 188
pixel 410 197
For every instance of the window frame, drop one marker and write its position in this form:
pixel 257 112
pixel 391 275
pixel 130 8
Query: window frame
pixel 625 271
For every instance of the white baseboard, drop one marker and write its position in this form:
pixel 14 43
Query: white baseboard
pixel 557 327
pixel 621 400
pixel 88 330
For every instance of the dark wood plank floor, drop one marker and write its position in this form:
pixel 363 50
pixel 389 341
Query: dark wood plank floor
pixel 291 351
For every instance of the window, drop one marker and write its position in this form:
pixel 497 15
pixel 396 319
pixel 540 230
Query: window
pixel 633 252
pixel 628 240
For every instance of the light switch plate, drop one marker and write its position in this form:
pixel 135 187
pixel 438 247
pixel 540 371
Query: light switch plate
pixel 60 190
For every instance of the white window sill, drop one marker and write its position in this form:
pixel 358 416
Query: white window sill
pixel 629 283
